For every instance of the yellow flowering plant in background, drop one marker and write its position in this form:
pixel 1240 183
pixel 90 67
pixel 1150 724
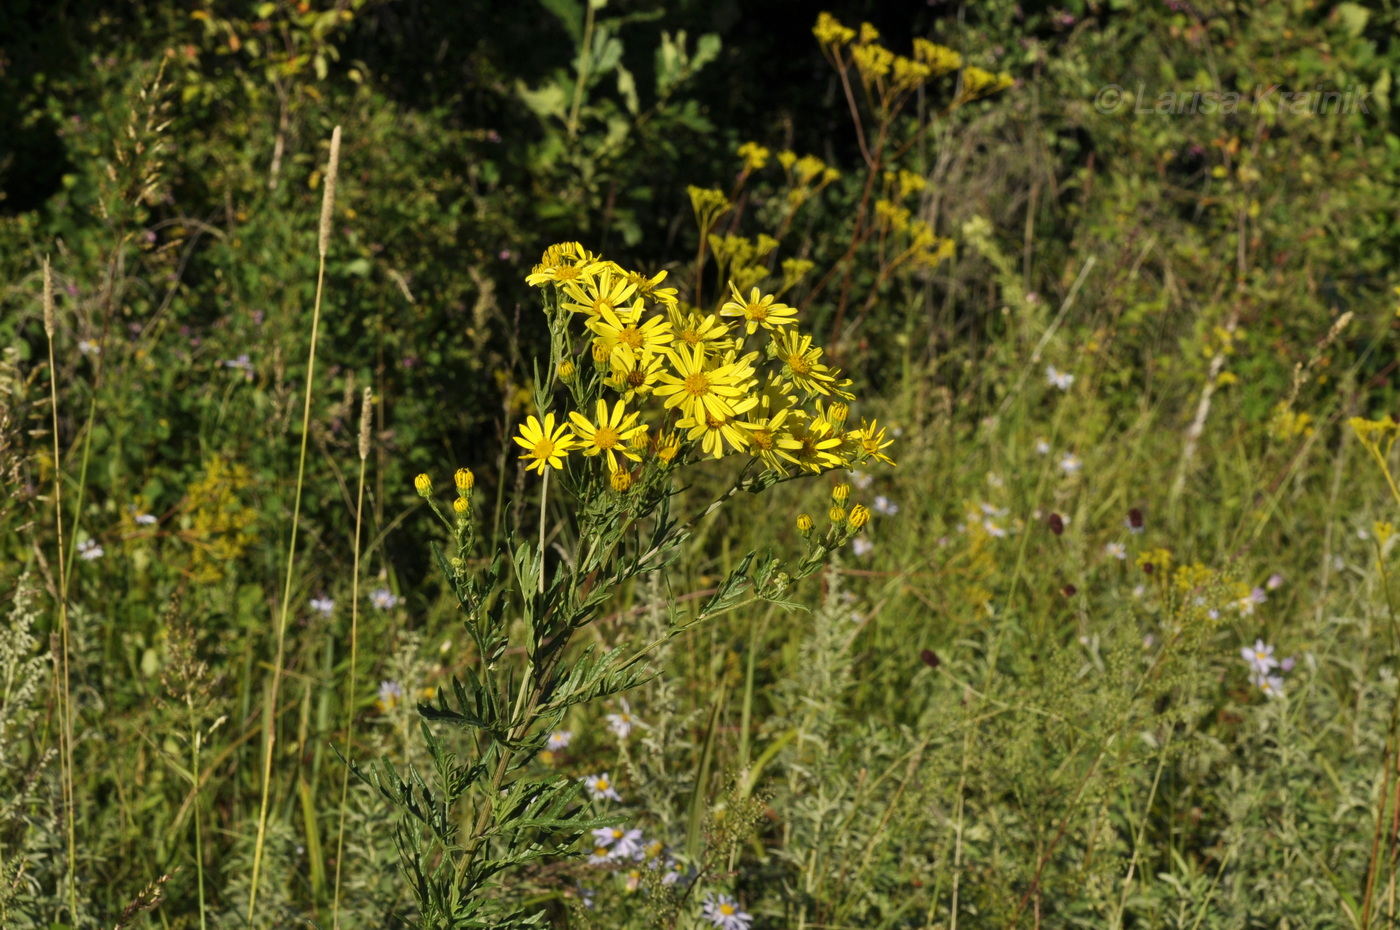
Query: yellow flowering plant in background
pixel 637 391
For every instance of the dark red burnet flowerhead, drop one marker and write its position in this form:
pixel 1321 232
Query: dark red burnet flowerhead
pixel 1057 524
pixel 930 658
pixel 1135 521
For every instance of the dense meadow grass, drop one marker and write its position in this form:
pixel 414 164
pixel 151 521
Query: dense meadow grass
pixel 299 633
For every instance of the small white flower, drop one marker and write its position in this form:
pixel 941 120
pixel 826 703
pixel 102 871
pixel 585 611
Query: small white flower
pixel 995 480
pixel 1070 463
pixel 1271 685
pixel 89 549
pixel 622 724
pixel 323 604
pixel 992 511
pixel 145 519
pixel 1260 657
pixel 883 505
pixel 600 787
pixel 861 480
pixel 1139 591
pixel 861 547
pixel 993 529
pixel 1275 582
pixel 1042 445
pixel 560 739
pixel 88 347
pixel 242 363
pixel 1060 379
pixel 723 912
pixel 1116 550
pixel 383 598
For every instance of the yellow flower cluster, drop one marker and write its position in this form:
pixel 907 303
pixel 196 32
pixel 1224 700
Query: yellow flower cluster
pixel 889 75
pixel 670 383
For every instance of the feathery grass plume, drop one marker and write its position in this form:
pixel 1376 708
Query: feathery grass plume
pixel 366 408
pixel 270 737
pixel 328 193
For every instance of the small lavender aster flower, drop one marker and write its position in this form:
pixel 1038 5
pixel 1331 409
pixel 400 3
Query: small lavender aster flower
pixel 390 693
pixel 90 549
pixel 1042 446
pixel 323 604
pixel 861 547
pixel 383 598
pixel 1275 582
pixel 560 739
pixel 1116 550
pixel 622 724
pixel 1060 379
pixel 723 911
pixel 883 505
pixel 1271 685
pixel 1260 657
pixel 1070 463
pixel 600 787
pixel 144 519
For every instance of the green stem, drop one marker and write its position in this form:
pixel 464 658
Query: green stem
pixel 583 63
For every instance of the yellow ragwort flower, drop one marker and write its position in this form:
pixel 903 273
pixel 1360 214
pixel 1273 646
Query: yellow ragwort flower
pixel 837 515
pixel 607 291
pixel 802 362
pixel 698 390
pixel 465 481
pixel 547 446
pixel 841 492
pixel 609 434
pixel 625 332
pixel 424 485
pixel 860 515
pixel 758 310
pixel 804 524
pixel 754 155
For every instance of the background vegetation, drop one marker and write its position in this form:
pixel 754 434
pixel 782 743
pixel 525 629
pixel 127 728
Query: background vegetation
pixel 981 721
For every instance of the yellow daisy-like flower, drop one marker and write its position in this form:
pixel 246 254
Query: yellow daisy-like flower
pixel 818 447
pixel 647 287
pixel 609 435
pixel 714 432
pixel 562 264
pixel 773 443
pixel 546 445
pixel 607 291
pixel 758 311
pixel 802 363
pixel 625 333
pixel 871 437
pixel 697 390
pixel 700 329
pixel 634 376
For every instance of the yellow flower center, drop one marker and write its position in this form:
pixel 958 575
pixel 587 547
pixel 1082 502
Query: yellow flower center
pixel 763 439
pixel 727 910
pixel 616 833
pixel 565 273
pixel 543 449
pixel 798 365
pixel 691 337
pixel 630 337
pixel 697 384
pixel 606 437
pixel 870 445
pixel 602 784
pixel 635 378
pixel 600 304
pixel 756 312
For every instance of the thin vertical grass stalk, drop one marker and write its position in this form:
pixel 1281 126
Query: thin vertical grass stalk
pixel 198 828
pixel 365 409
pixel 323 240
pixel 65 705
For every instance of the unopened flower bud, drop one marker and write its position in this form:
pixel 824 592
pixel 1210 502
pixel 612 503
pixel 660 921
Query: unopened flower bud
pixel 462 506
pixel 860 515
pixel 621 481
pixel 837 413
pixel 601 354
pixel 567 370
pixel 804 524
pixel 836 514
pixel 841 492
pixel 424 485
pixel 667 447
pixel 465 481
